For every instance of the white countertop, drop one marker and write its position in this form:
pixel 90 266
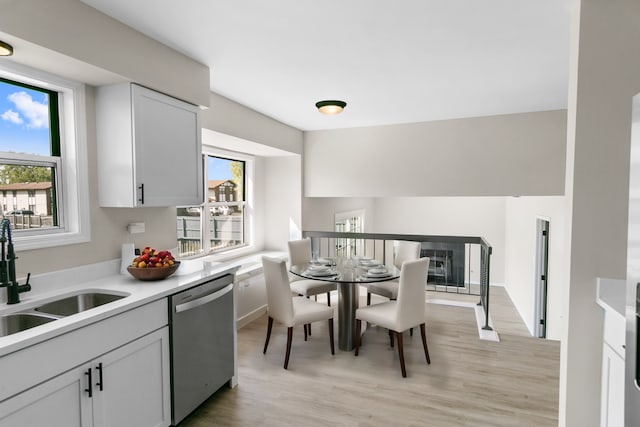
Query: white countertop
pixel 106 276
pixel 612 294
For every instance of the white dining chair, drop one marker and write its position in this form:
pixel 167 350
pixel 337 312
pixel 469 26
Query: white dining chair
pixel 287 309
pixel 300 254
pixel 405 251
pixel 404 313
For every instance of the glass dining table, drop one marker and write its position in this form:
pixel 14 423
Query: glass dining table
pixel 348 274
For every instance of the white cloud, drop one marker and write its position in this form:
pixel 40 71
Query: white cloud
pixel 36 113
pixel 12 116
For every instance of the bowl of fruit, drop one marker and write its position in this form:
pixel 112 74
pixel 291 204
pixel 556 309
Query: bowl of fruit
pixel 153 265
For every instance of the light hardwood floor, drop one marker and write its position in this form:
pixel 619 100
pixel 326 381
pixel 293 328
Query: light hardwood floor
pixel 470 382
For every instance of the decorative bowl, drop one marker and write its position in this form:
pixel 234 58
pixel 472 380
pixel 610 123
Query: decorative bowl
pixel 153 273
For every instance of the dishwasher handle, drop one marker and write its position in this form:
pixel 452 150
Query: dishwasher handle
pixel 204 300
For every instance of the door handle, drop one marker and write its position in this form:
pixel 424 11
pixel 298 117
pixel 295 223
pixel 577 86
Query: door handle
pixel 100 382
pixel 90 389
pixel 203 300
pixel 141 199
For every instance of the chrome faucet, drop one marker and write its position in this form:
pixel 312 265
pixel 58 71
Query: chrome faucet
pixel 8 266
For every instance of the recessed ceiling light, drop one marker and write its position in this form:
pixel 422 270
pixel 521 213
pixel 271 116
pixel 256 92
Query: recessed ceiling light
pixel 5 49
pixel 331 107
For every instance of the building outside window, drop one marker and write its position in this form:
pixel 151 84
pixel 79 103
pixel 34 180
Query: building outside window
pixel 220 222
pixel 29 151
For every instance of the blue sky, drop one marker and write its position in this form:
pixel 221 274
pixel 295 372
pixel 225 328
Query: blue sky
pixel 24 120
pixel 218 168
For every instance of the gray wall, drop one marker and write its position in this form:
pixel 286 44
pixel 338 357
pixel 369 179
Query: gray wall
pixel 604 76
pixel 516 154
pixel 74 40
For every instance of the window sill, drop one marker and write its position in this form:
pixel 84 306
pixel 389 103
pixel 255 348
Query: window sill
pixel 25 243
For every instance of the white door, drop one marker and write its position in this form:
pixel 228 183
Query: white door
pixel 134 387
pixel 62 401
pixel 541 277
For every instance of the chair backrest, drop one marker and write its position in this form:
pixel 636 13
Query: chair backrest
pixel 411 293
pixel 299 251
pixel 279 302
pixel 406 251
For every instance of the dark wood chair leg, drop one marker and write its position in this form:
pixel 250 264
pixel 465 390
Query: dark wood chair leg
pixel 309 328
pixel 266 342
pixel 391 338
pixel 356 339
pixel 423 332
pixel 410 332
pixel 401 354
pixel 331 335
pixel 329 299
pixel 368 298
pixel 305 331
pixel 289 338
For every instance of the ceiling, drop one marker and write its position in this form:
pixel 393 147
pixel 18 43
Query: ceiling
pixel 391 61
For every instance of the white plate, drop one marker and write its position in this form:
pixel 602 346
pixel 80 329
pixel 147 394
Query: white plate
pixel 323 261
pixel 378 275
pixel 318 268
pixel 370 262
pixel 322 273
pixel 377 271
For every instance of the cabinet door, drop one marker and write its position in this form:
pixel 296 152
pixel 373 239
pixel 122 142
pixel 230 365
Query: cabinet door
pixel 168 153
pixel 612 408
pixel 135 384
pixel 59 402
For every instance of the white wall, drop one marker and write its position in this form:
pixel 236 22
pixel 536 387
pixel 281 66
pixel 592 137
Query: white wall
pixel 520 258
pixel 482 156
pixel 318 213
pixel 283 197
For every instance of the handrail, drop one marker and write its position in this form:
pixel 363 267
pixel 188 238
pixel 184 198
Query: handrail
pixel 485 252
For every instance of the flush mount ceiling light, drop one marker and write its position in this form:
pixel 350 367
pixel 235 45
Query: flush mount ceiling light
pixel 5 49
pixel 331 107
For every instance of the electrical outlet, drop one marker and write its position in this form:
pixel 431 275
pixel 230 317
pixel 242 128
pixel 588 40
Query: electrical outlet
pixel 136 227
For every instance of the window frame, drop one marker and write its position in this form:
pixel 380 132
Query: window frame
pixel 72 179
pixel 247 205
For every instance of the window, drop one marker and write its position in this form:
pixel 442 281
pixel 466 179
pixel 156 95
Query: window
pixel 349 222
pixel 43 157
pixel 224 209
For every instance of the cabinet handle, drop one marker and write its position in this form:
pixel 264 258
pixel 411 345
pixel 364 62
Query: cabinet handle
pixel 141 199
pixel 90 389
pixel 99 383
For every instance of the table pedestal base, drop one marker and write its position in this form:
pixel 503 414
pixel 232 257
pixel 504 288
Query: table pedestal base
pixel 348 296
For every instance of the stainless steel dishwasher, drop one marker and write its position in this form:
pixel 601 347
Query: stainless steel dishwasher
pixel 202 344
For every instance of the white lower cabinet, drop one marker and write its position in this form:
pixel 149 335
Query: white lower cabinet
pixel 612 407
pixel 128 386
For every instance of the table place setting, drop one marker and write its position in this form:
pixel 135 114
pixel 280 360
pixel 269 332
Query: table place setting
pixel 320 271
pixel 327 262
pixel 368 263
pixel 378 273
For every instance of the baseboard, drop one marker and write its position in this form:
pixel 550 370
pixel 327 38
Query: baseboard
pixel 251 316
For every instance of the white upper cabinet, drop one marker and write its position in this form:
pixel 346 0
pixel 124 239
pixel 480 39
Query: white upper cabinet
pixel 149 148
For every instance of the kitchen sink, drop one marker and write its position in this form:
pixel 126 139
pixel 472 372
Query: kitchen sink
pixel 76 303
pixel 18 322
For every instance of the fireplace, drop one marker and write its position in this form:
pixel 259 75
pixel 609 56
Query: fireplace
pixel 446 265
